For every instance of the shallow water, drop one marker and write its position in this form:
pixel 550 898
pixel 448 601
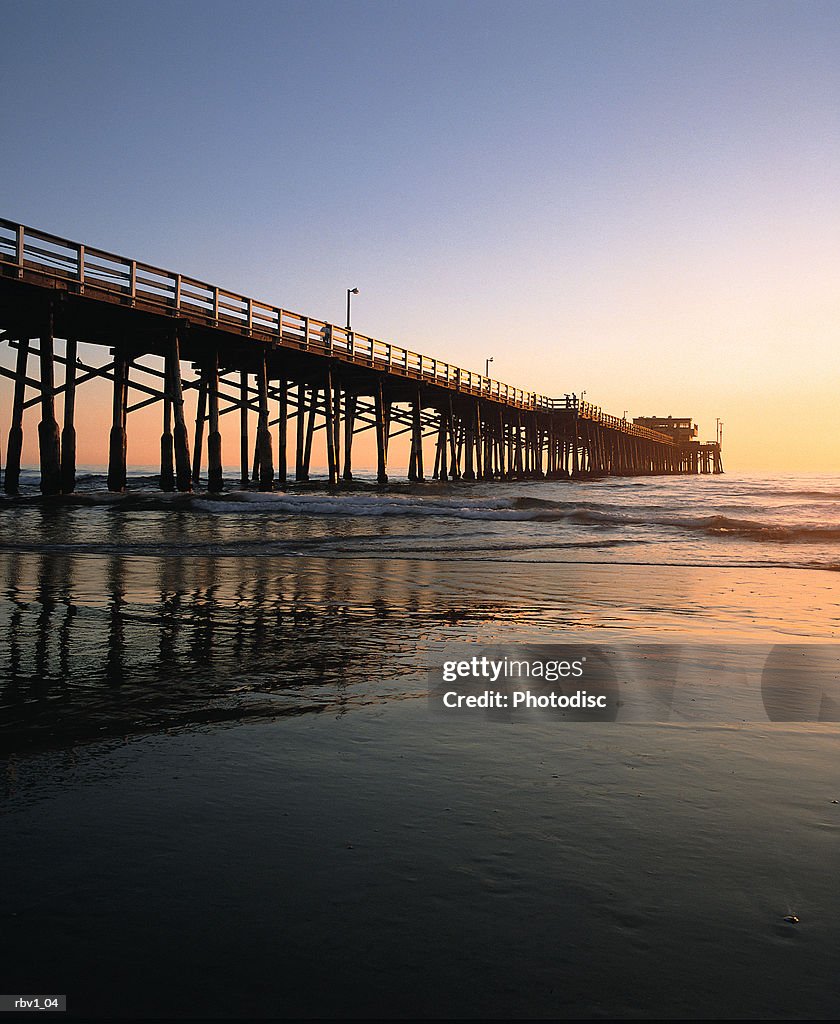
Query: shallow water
pixel 785 521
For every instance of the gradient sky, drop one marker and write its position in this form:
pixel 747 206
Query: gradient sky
pixel 639 199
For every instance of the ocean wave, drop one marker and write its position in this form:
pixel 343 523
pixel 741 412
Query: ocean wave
pixel 811 495
pixel 776 532
pixel 326 546
pixel 666 514
pixel 717 526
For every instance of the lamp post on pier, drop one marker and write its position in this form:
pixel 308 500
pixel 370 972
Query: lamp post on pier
pixel 487 363
pixel 350 291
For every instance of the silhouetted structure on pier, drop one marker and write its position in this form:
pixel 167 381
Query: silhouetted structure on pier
pixel 277 369
pixel 696 457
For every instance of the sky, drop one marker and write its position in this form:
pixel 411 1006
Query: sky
pixel 638 199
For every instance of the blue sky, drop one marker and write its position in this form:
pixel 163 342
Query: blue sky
pixel 639 199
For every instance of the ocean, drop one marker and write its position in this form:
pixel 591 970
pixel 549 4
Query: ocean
pixel 228 795
pixel 785 521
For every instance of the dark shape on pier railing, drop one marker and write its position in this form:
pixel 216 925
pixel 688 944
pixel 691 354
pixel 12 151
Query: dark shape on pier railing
pixel 253 357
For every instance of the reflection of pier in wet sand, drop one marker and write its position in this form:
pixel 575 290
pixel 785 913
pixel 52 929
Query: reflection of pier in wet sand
pixel 113 642
pixel 118 643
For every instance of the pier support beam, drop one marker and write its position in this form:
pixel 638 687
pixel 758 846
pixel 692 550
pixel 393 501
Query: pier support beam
pixel 167 463
pixel 519 469
pixel 263 433
pixel 478 438
pixel 310 431
pixel 469 445
pixel 336 418
pixel 332 470
pixel 349 421
pixel 415 463
pixel 118 441
pixel 183 476
pixel 454 462
pixel 48 441
pixel 381 435
pixel 489 447
pixel 282 431
pixel 244 450
pixel 11 482
pixel 440 455
pixel 198 436
pixel 68 433
pixel 215 482
pixel 300 423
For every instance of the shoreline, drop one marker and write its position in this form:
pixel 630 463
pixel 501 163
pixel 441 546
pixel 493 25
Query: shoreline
pixel 125 644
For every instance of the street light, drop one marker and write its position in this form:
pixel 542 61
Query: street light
pixel 487 363
pixel 350 291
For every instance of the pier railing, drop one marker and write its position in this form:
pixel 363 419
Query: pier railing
pixel 98 273
pixel 593 412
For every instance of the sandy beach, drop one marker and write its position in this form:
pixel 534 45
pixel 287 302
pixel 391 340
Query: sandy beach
pixel 378 861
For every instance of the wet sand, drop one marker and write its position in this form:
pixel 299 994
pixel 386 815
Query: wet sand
pixel 116 644
pixel 383 862
pixel 226 796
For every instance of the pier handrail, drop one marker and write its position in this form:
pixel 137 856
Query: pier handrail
pixel 91 271
pixel 591 412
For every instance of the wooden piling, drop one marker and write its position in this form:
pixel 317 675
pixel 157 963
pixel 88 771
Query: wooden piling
pixel 11 482
pixel 349 422
pixel 310 430
pixel 282 431
pixel 48 439
pixel 336 418
pixel 381 435
pixel 387 411
pixel 200 417
pixel 440 457
pixel 454 464
pixel 215 480
pixel 266 482
pixel 183 476
pixel 469 446
pixel 118 440
pixel 255 470
pixel 68 432
pixel 244 449
pixel 332 471
pixel 539 448
pixel 300 423
pixel 488 431
pixel 415 466
pixel 478 438
pixel 167 463
pixel 519 469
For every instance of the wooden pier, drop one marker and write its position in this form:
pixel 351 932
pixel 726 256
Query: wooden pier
pixel 288 376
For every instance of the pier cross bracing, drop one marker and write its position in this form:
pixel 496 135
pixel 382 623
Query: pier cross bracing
pixel 289 377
